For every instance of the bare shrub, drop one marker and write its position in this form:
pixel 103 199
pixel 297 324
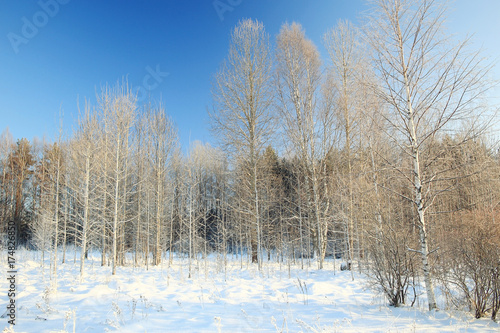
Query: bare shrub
pixel 392 265
pixel 472 262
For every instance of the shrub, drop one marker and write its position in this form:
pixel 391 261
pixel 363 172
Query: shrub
pixel 392 266
pixel 472 258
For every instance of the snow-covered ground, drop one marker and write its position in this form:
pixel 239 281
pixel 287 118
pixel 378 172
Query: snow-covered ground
pixel 164 299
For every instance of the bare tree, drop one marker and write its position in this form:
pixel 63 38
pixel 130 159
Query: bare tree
pixel 84 153
pixel 161 142
pixel 42 230
pixel 298 78
pixel 118 107
pixel 346 71
pixel 141 174
pixel 241 112
pixel 429 87
pixel 42 226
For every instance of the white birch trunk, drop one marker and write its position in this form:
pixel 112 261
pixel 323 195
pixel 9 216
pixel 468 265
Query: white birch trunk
pixel 85 213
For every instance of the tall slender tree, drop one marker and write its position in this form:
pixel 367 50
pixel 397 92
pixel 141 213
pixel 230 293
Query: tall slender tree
pixel 84 148
pixel 118 107
pixel 347 68
pixel 298 79
pixel 162 141
pixel 241 116
pixel 429 87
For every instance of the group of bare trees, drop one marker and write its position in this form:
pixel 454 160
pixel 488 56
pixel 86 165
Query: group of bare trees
pixel 371 135
pixel 378 156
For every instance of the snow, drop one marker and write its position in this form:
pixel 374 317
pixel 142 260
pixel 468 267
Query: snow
pixel 164 299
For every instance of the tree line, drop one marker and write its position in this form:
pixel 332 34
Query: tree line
pixel 378 154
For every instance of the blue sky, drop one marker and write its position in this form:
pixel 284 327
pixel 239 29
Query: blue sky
pixel 168 49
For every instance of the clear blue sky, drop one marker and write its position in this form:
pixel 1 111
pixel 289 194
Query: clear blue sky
pixel 82 45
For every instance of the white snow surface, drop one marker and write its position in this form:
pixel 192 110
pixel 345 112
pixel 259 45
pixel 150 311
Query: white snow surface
pixel 241 299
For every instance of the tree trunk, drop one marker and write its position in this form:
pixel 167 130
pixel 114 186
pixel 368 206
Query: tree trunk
pixel 85 214
pixel 116 198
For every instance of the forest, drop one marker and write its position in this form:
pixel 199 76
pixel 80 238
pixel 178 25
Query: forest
pixel 381 155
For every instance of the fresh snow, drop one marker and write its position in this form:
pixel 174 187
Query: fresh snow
pixel 164 299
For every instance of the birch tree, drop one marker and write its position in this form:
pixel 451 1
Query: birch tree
pixel 298 79
pixel 84 149
pixel 346 68
pixel 241 116
pixel 54 156
pixel 162 138
pixel 118 107
pixel 429 87
pixel 141 174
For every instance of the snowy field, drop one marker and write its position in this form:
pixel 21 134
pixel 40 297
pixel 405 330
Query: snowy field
pixel 165 299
